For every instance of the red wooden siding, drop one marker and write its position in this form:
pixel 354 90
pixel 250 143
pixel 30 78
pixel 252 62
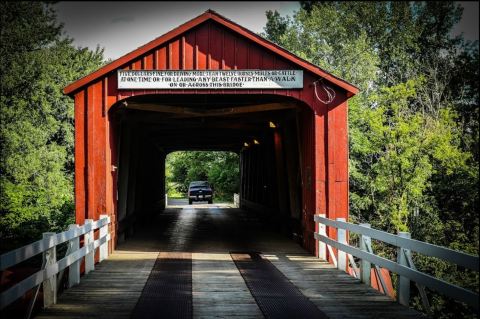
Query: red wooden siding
pixel 80 157
pixel 306 125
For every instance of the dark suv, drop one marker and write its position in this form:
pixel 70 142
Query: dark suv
pixel 199 191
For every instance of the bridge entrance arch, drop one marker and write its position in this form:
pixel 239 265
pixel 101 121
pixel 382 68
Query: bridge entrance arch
pixel 211 84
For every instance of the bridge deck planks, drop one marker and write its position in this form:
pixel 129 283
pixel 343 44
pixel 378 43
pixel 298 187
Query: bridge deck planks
pixel 110 291
pixel 218 289
pixel 338 294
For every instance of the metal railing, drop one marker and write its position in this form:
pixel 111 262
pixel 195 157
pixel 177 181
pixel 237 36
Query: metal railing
pixel 53 268
pixel 403 267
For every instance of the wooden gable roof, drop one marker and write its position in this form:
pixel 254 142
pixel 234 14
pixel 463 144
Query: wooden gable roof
pixel 234 27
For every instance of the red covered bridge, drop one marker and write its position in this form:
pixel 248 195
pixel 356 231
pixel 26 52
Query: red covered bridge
pixel 299 169
pixel 211 84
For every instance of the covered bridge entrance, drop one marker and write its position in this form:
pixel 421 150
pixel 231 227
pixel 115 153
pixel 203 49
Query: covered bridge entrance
pixel 211 84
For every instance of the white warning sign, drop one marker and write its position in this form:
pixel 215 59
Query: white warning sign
pixel 210 79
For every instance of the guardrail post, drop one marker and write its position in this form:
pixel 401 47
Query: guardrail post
pixel 365 266
pixel 103 247
pixel 50 284
pixel 236 200
pixel 342 238
pixel 88 242
pixel 322 247
pixel 403 287
pixel 74 270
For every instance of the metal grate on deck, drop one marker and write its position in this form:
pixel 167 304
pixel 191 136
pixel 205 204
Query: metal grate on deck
pixel 168 290
pixel 276 296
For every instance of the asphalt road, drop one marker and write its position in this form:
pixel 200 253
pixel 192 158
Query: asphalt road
pixel 183 202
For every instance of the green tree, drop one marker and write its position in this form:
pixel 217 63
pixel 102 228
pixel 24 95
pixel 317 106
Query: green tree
pixel 36 128
pixel 275 27
pixel 401 150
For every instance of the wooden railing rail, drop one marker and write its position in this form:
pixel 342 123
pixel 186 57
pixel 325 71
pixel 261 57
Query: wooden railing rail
pixel 404 265
pixel 53 268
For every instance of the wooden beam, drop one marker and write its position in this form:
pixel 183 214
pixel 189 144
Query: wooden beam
pixel 159 108
pixel 172 120
pixel 205 147
pixel 210 139
pixel 200 143
pixel 217 133
pixel 185 112
pixel 199 127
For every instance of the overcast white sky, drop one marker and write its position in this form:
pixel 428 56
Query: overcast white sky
pixel 121 27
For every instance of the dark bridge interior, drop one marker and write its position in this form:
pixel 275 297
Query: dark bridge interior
pixel 262 129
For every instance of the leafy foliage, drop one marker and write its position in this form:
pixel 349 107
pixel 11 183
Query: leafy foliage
pixel 36 129
pixel 221 169
pixel 414 126
pixel 399 153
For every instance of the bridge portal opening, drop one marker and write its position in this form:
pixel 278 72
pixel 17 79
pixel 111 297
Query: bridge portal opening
pixel 202 177
pixel 260 133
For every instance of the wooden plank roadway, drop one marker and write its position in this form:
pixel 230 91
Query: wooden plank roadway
pixel 110 291
pixel 218 289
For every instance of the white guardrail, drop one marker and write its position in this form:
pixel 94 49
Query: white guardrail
pixel 404 266
pixel 51 268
